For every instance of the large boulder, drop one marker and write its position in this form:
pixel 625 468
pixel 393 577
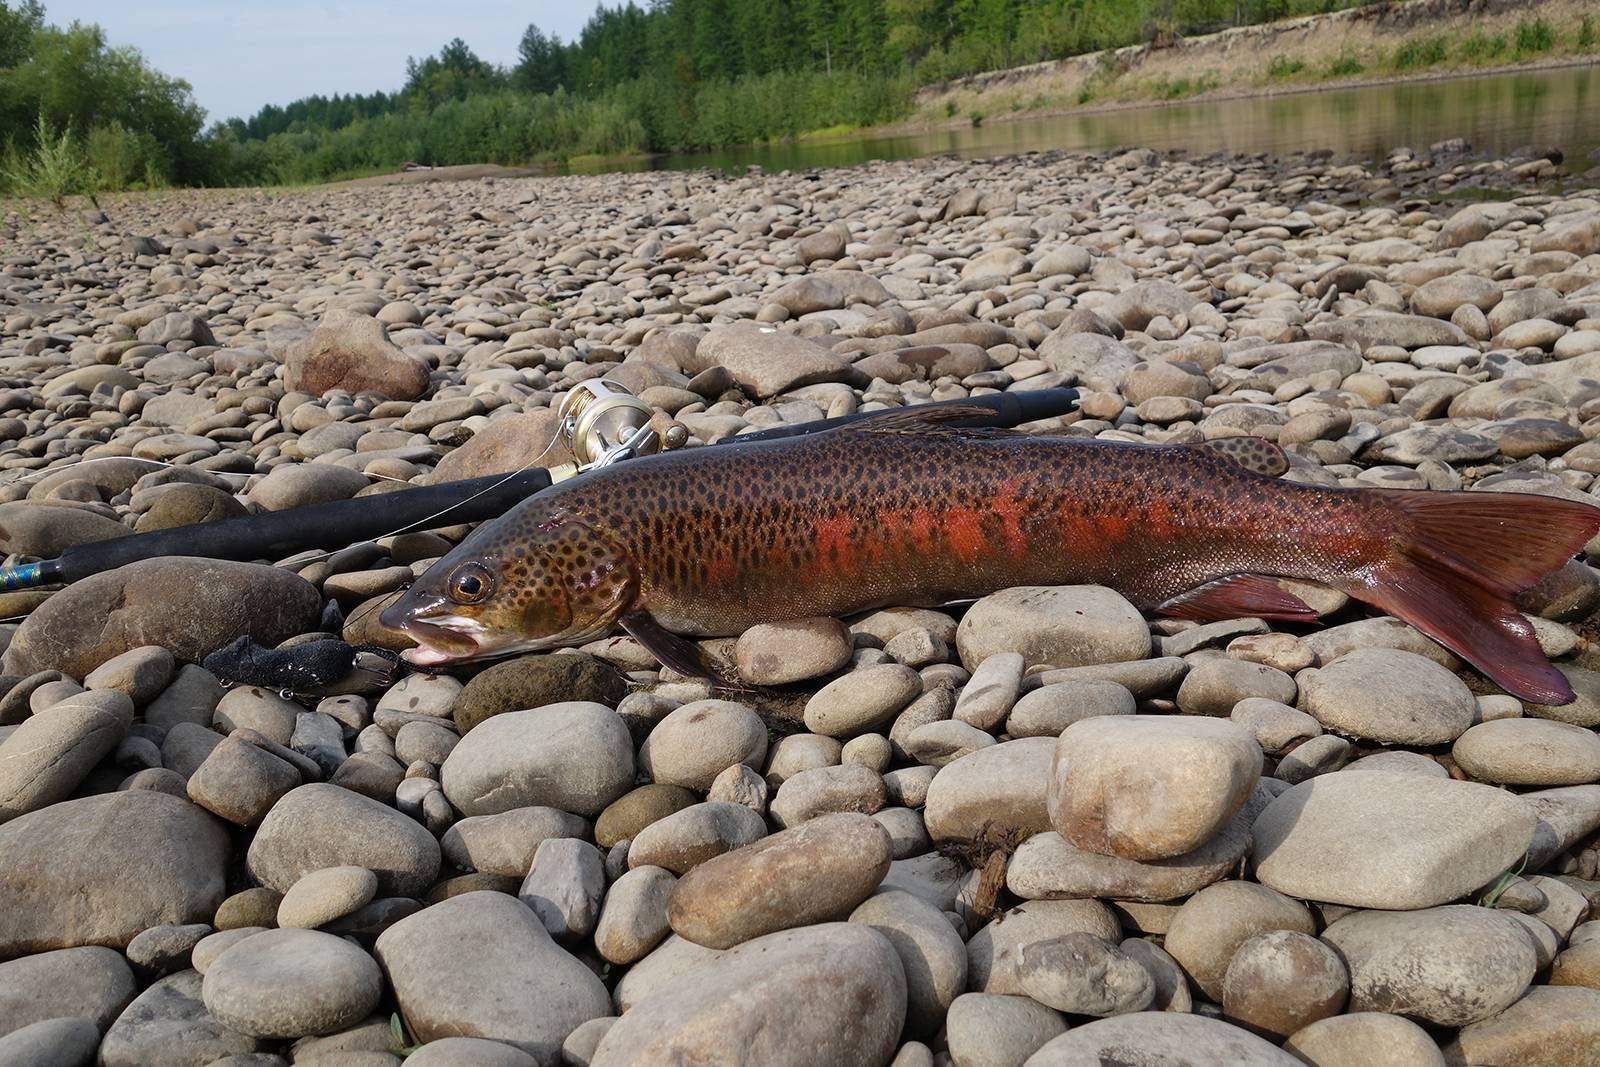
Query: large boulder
pixel 352 352
pixel 187 605
pixel 98 870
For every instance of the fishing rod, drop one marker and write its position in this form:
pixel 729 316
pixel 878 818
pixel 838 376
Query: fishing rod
pixel 601 422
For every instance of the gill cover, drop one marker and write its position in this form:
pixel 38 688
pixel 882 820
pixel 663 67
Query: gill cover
pixel 563 581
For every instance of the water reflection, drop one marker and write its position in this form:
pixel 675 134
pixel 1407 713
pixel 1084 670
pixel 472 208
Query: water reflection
pixel 1494 113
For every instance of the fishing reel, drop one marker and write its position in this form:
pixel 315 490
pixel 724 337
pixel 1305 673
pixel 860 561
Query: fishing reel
pixel 603 423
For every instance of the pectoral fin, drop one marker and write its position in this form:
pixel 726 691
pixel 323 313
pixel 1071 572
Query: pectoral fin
pixel 1238 596
pixel 679 653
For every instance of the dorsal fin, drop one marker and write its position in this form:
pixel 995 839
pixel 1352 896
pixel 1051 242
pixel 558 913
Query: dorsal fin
pixel 1252 453
pixel 930 418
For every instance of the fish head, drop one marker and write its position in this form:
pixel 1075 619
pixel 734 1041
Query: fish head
pixel 537 578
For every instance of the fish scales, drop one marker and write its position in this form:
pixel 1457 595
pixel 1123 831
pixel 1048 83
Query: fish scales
pixel 724 538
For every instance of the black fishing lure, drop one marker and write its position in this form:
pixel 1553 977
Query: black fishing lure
pixel 316 668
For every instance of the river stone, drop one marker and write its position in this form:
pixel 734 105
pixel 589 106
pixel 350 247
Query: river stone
pixel 992 795
pixel 51 752
pixel 1149 787
pixel 1552 1025
pixel 1206 932
pixel 161 950
pixel 1062 626
pixel 574 756
pixel 1047 866
pixel 638 808
pixel 1390 696
pixel 1366 1039
pixel 322 896
pixel 834 993
pixel 1168 1038
pixel 766 362
pixel 992 1030
pixel 98 870
pixel 1281 981
pixel 504 844
pixel 1049 709
pixel 535 682
pixel 633 919
pixel 1529 752
pixel 1449 966
pixel 930 951
pixel 564 887
pixel 141 673
pixel 862 701
pixel 780 653
pixel 169 1026
pixel 687 838
pixel 352 352
pixel 46 530
pixel 321 825
pixel 290 983
pixel 699 740
pixel 993 951
pixel 810 793
pixel 91 982
pixel 58 1042
pixel 189 606
pixel 482 965
pixel 1383 840
pixel 815 872
pixel 1080 974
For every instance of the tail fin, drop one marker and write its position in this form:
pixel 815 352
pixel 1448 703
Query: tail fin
pixel 1459 560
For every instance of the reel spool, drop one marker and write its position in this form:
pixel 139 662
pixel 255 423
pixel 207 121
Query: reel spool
pixel 603 422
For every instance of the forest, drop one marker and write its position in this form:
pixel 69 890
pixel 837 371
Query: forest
pixel 676 75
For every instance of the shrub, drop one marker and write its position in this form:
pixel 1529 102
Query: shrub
pixel 1344 65
pixel 1284 67
pixel 1480 46
pixel 57 166
pixel 1586 34
pixel 1420 52
pixel 1534 37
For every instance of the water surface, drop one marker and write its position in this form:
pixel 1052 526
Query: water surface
pixel 1495 113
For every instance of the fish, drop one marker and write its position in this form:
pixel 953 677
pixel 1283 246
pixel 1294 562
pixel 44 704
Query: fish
pixel 907 509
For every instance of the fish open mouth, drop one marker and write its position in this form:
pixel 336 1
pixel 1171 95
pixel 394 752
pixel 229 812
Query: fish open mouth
pixel 439 641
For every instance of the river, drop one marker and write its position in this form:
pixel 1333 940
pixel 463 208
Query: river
pixel 1495 113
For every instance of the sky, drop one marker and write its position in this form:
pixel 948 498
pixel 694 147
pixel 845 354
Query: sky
pixel 241 54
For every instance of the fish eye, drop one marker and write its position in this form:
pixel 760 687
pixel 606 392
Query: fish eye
pixel 471 583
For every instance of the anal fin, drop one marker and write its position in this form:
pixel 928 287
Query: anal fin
pixel 1252 453
pixel 1238 596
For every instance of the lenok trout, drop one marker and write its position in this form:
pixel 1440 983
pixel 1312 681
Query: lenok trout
pixel 903 509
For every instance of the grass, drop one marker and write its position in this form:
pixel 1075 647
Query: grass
pixel 1491 896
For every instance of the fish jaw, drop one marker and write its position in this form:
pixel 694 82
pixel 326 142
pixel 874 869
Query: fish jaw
pixel 441 635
